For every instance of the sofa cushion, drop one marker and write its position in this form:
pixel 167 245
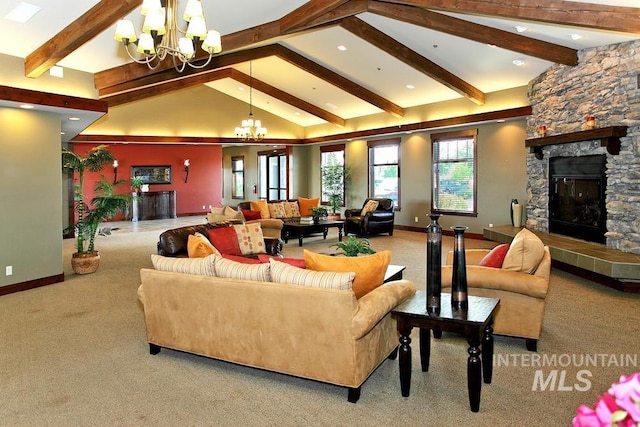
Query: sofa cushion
pixel 262 206
pixel 230 269
pixel 225 240
pixel 200 266
pixel 198 246
pixel 250 238
pixel 217 210
pixel 250 215
pixel 370 206
pixel 495 257
pixel 305 205
pixel 242 259
pixel 525 252
pixel 285 273
pixel 369 269
pixel 296 262
pixel 295 210
pixel 276 209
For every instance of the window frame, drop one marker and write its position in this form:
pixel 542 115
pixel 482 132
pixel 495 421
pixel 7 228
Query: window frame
pixel 263 190
pixel 335 148
pixel 234 173
pixel 437 138
pixel 371 146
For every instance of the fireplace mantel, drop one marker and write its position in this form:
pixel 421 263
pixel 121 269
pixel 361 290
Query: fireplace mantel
pixel 609 137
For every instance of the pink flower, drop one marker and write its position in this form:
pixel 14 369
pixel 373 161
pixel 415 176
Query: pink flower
pixel 586 418
pixel 619 407
pixel 627 395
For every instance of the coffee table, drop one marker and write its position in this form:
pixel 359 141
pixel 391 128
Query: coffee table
pixel 474 323
pixel 291 228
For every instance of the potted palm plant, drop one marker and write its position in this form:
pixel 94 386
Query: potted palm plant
pixel 105 204
pixel 335 179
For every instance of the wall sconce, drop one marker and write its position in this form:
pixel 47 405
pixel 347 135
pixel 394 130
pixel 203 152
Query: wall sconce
pixel 115 171
pixel 186 170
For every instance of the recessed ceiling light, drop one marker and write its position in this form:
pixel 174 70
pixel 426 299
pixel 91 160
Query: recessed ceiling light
pixel 26 106
pixel 520 28
pixel 342 47
pixel 22 12
pixel 491 45
pixel 332 106
pixel 74 119
pixel 519 62
pixel 575 36
pixel 410 86
pixel 56 71
pixel 500 120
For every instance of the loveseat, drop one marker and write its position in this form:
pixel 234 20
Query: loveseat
pixel 320 334
pixel 174 242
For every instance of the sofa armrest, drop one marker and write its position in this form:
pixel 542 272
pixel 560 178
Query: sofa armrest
pixel 352 212
pixel 373 306
pixel 496 278
pixel 471 256
pixel 380 216
pixel 274 223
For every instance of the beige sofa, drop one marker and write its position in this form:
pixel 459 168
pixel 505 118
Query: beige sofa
pixel 319 334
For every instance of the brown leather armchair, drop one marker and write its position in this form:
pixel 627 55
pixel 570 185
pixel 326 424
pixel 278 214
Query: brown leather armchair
pixel 374 222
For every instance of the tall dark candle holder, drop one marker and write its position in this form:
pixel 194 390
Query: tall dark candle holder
pixel 434 265
pixel 459 297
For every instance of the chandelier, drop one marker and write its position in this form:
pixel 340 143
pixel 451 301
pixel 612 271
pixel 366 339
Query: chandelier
pixel 161 35
pixel 251 129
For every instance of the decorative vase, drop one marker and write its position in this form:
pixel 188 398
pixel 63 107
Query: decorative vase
pixel 513 203
pixel 434 261
pixel 85 263
pixel 459 298
pixel 516 218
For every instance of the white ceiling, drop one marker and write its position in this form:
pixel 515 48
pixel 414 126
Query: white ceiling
pixel 487 68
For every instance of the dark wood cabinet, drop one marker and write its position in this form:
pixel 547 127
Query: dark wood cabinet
pixel 154 205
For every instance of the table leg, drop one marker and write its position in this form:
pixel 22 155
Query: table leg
pixel 286 236
pixel 474 377
pixel 404 360
pixel 487 354
pixel 325 231
pixel 340 233
pixel 425 348
pixel 300 234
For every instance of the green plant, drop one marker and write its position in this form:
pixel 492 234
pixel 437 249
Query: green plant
pixel 354 246
pixel 319 211
pixel 105 202
pixel 136 183
pixel 335 179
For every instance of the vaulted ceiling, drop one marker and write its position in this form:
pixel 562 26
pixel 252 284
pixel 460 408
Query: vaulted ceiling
pixel 399 54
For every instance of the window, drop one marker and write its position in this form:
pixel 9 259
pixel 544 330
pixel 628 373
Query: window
pixel 272 174
pixel 384 169
pixel 454 172
pixel 237 177
pixel 332 174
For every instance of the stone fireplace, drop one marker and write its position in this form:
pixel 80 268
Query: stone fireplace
pixel 605 84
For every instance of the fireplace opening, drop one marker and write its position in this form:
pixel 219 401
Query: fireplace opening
pixel 577 197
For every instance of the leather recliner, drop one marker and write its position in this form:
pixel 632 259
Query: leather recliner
pixel 375 222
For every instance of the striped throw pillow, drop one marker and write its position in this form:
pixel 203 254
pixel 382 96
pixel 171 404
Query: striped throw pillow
pixel 285 273
pixel 229 269
pixel 200 266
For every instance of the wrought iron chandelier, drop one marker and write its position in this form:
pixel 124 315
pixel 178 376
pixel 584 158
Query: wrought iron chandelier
pixel 251 129
pixel 161 35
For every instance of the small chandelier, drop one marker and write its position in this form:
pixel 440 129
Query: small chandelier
pixel 251 129
pixel 161 35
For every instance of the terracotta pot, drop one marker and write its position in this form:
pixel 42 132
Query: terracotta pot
pixel 85 263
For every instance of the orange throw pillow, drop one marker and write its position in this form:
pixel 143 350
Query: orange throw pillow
pixel 369 269
pixel 261 205
pixel 198 246
pixel 305 205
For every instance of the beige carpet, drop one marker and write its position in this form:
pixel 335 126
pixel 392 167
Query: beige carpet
pixel 75 353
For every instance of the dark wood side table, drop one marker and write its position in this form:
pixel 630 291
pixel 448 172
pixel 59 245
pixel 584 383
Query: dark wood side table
pixel 474 323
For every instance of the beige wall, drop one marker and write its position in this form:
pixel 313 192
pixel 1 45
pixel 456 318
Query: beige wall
pixel 30 195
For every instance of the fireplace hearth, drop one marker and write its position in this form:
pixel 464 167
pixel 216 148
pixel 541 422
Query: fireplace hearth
pixel 577 206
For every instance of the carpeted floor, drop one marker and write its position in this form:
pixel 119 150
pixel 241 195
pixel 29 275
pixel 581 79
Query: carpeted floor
pixel 75 353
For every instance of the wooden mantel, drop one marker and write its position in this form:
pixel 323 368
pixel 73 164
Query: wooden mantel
pixel 609 137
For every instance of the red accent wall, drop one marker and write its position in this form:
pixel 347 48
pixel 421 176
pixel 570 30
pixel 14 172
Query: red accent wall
pixel 204 186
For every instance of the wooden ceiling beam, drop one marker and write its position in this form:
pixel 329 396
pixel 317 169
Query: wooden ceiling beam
pixel 286 98
pixel 410 57
pixel 587 15
pixel 93 22
pixel 350 8
pixel 339 81
pixel 479 33
pixel 307 12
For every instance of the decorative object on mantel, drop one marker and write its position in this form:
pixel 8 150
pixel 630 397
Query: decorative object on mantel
pixel 590 123
pixel 516 213
pixel 609 137
pixel 513 203
pixel 434 264
pixel 459 296
pixel 542 130
pixel 160 35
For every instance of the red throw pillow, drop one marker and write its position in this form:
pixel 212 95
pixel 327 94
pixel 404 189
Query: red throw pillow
pixel 296 262
pixel 495 257
pixel 225 240
pixel 241 259
pixel 250 215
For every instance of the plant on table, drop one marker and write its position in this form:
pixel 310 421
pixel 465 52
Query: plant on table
pixel 136 184
pixel 319 212
pixel 354 246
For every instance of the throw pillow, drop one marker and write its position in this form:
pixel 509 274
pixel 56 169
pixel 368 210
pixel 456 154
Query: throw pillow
pixel 225 240
pixel 241 259
pixel 525 252
pixel 495 257
pixel 296 262
pixel 230 269
pixel 276 209
pixel 295 209
pixel 285 273
pixel 305 205
pixel 198 246
pixel 262 206
pixel 232 214
pixel 370 206
pixel 250 215
pixel 286 206
pixel 369 269
pixel 217 211
pixel 250 239
pixel 200 266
